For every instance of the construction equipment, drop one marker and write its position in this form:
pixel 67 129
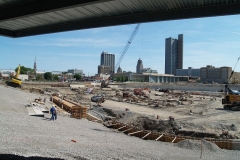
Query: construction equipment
pixel 231 98
pixel 127 46
pixel 104 83
pixel 140 91
pixel 98 99
pixel 15 81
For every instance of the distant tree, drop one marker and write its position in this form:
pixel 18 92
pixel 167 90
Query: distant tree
pixel 55 77
pixel 121 79
pixel 118 79
pixel 48 76
pixel 39 77
pixel 25 70
pixel 125 79
pixel 77 76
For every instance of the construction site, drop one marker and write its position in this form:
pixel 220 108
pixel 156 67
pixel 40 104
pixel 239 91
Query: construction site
pixel 144 111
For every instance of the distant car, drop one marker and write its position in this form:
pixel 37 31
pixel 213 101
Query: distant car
pixel 157 89
pixel 98 99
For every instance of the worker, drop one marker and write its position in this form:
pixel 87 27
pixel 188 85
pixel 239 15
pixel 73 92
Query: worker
pixel 53 113
pixel 44 100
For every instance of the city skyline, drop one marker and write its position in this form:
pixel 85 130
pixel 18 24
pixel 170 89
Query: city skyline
pixel 207 41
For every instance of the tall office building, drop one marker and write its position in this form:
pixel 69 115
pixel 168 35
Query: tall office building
pixel 139 67
pixel 173 54
pixel 104 70
pixel 108 60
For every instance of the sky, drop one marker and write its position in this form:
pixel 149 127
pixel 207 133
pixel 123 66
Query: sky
pixel 207 41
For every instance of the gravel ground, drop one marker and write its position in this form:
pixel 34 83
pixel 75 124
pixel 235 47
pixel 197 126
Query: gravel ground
pixel 29 136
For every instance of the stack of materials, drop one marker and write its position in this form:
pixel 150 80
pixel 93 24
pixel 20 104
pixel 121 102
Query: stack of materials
pixel 76 110
pixel 79 112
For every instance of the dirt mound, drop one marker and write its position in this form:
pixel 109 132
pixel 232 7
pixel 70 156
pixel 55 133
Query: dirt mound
pixel 50 90
pixel 110 112
pixel 196 145
pixel 147 123
pixel 231 127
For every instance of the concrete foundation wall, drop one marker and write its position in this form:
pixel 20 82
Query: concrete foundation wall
pixel 236 145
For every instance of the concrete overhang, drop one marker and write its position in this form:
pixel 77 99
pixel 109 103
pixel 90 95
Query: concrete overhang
pixel 19 18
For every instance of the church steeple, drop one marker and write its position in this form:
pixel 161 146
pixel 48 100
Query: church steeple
pixel 35 65
pixel 139 67
pixel 119 70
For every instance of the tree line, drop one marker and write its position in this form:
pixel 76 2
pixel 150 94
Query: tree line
pixel 46 76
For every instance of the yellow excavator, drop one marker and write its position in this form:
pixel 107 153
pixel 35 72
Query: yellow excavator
pixel 15 81
pixel 231 98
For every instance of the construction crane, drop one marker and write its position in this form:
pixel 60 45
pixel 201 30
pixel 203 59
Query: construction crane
pixel 127 46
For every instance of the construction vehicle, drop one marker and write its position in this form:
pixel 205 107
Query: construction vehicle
pixel 15 81
pixel 231 98
pixel 98 99
pixel 129 42
pixel 104 83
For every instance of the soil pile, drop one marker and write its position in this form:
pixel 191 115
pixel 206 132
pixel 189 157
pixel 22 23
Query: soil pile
pixel 196 145
pixel 162 126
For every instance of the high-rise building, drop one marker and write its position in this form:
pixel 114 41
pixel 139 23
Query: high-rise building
pixel 104 69
pixel 108 60
pixel 173 54
pixel 139 67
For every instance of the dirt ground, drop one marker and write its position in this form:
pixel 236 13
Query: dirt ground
pixel 192 111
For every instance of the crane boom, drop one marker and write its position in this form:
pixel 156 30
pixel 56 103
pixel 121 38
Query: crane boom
pixel 127 46
pixel 18 71
pixel 233 70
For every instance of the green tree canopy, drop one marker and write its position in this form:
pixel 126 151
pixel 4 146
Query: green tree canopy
pixel 78 77
pixel 25 70
pixel 55 77
pixel 48 76
pixel 39 77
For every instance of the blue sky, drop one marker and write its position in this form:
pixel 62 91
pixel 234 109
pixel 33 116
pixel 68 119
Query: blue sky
pixel 207 41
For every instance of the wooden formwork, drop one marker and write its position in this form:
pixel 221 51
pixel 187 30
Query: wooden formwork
pixel 76 111
pixel 224 144
pixel 149 135
pixel 93 118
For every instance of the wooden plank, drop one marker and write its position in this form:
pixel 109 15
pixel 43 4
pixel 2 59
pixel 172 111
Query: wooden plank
pixel 146 135
pixel 159 137
pixel 127 130
pixel 134 132
pixel 121 127
pixel 174 139
pixel 115 124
